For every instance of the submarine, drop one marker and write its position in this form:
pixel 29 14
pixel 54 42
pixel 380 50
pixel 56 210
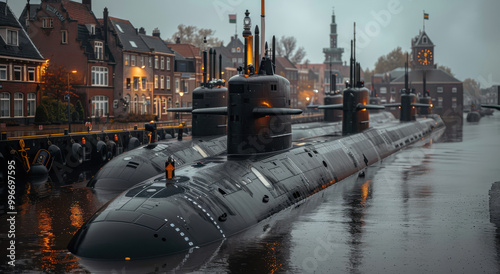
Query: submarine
pixel 261 173
pixel 208 136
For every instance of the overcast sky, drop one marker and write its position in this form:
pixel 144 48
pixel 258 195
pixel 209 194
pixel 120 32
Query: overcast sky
pixel 466 33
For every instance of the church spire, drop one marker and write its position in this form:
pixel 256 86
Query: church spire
pixel 333 54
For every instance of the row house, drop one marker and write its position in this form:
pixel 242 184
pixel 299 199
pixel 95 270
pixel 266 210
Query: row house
pixel 68 34
pixel 145 74
pixel 20 69
pixel 188 72
pixel 288 70
pixel 232 57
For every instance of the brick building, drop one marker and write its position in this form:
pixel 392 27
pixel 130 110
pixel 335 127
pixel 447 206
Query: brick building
pixel 69 35
pixel 20 68
pixel 288 70
pixel 232 57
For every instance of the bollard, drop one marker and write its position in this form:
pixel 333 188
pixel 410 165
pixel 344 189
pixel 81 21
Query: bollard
pixel 179 134
pixel 65 132
pixel 4 136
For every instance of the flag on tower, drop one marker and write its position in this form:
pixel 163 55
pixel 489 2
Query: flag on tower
pixel 232 18
pixel 426 16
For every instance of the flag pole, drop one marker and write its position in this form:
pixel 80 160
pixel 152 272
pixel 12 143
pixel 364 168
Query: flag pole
pixel 423 20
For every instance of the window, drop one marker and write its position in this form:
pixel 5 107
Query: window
pixel 393 90
pixel 150 61
pixel 235 60
pixel 156 81
pixel 31 104
pixel 136 83
pixel 17 73
pixel 136 103
pixel 383 90
pixel 47 23
pixel 186 87
pixel 144 83
pixel 92 29
pixel 142 61
pixel 240 60
pixel 99 76
pixel 133 44
pixel 119 28
pixel 164 105
pixel 454 102
pixel 168 63
pixel 31 74
pixel 440 89
pixel 18 104
pixel 162 63
pixel 233 50
pixel 155 106
pixel 440 101
pixel 126 104
pixel 4 104
pixel 12 37
pixel 143 104
pixel 162 82
pixel 126 59
pixel 100 105
pixel 238 49
pixel 454 90
pixel 176 85
pixel 132 60
pixel 128 83
pixel 64 36
pixel 3 72
pixel 156 62
pixel 98 50
pixel 168 82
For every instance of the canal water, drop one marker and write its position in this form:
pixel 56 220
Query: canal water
pixel 424 209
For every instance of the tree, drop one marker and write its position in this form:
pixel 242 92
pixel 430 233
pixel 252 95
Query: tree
pixel 394 59
pixel 54 84
pixel 41 115
pixel 446 69
pixel 194 36
pixel 79 109
pixel 286 46
pixel 472 87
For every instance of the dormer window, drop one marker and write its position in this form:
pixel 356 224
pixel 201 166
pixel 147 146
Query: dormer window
pixel 12 37
pixel 424 40
pixel 238 49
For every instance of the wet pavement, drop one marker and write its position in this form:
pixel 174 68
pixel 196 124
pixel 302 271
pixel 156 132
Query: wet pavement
pixel 422 210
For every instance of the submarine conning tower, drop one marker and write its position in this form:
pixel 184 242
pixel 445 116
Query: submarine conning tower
pixel 258 107
pixel 210 94
pixel 356 118
pixel 426 99
pixel 259 113
pixel 408 110
pixel 333 115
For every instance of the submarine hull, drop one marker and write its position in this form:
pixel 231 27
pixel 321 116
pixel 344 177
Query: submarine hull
pixel 227 195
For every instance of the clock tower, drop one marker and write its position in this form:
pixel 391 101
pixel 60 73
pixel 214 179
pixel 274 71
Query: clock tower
pixel 422 52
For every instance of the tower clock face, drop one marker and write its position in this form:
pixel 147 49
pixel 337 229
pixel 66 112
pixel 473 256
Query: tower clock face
pixel 424 57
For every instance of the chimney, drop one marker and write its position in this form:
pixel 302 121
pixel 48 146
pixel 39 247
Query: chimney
pixel 156 32
pixel 142 31
pixel 28 14
pixel 88 3
pixel 178 40
pixel 105 26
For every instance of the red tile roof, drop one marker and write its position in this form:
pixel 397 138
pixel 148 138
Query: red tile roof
pixel 186 50
pixel 80 12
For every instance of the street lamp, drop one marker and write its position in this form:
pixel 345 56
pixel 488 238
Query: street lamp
pixel 180 113
pixel 69 107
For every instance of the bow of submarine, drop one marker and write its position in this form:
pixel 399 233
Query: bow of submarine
pixel 150 220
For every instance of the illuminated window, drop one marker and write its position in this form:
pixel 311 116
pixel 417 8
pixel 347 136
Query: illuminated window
pixel 162 82
pixel 136 103
pixel 156 62
pixel 18 104
pixel 238 49
pixel 31 104
pixel 156 81
pixel 127 60
pixel 168 82
pixel 142 61
pixel 164 105
pixel 4 104
pixel 176 85
pixel 168 63
pixel 162 63
pixel 150 61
